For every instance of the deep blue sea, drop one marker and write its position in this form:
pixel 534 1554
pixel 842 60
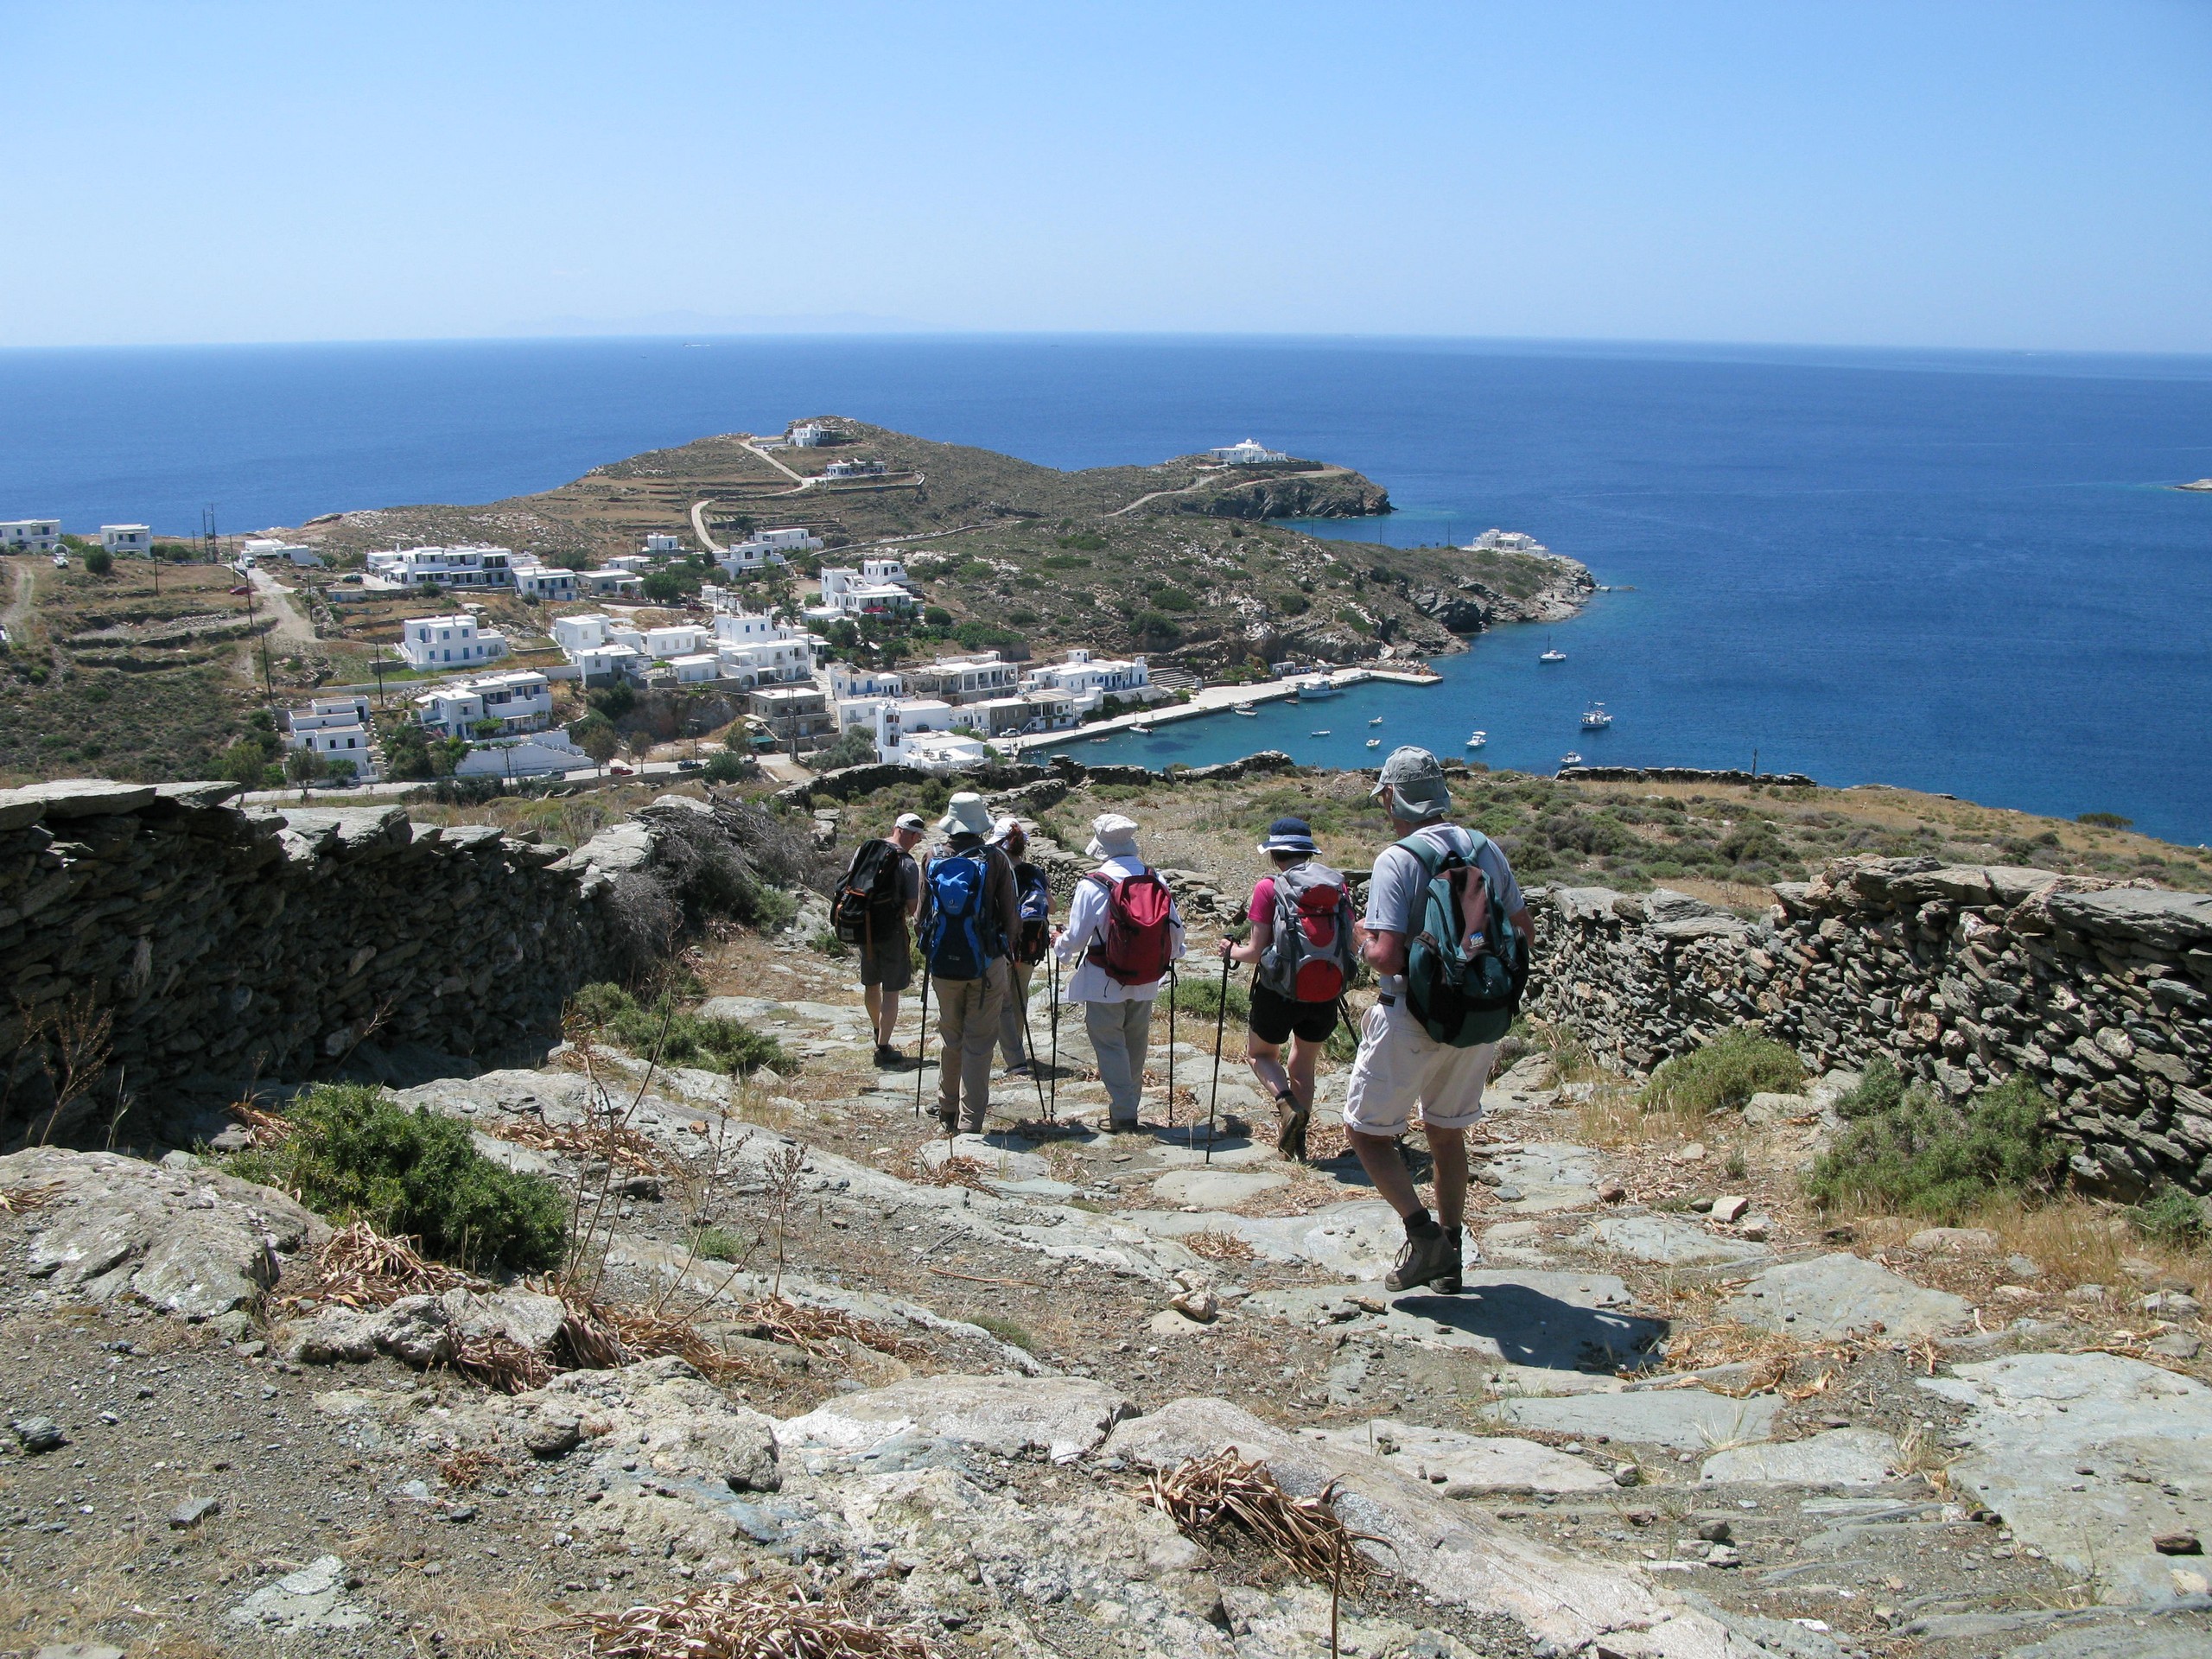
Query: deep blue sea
pixel 1959 572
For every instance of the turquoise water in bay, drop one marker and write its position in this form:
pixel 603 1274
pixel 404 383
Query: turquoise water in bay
pixel 1959 572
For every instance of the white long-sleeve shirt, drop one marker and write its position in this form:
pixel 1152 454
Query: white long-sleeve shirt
pixel 1087 925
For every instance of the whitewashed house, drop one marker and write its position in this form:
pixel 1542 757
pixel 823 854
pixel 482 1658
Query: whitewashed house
pixel 473 565
pixel 964 680
pixel 544 754
pixel 848 681
pixel 854 469
pixel 576 633
pixel 697 669
pixel 942 752
pixel 131 541
pixel 337 728
pixel 677 640
pixel 768 662
pixel 31 535
pixel 548 584
pixel 521 701
pixel 901 719
pixel 661 545
pixel 449 642
pixel 1089 681
pixel 612 579
pixel 849 593
pixel 1250 453
pixel 610 660
pixel 811 435
pixel 766 547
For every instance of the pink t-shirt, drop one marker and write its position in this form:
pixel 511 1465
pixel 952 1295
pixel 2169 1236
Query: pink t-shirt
pixel 1263 901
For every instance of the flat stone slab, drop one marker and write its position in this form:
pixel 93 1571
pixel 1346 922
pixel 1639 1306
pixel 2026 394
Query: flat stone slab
pixel 1671 1242
pixel 1840 1457
pixel 1682 1420
pixel 1515 1243
pixel 1357 1240
pixel 2040 1419
pixel 1549 1175
pixel 1467 1466
pixel 1062 1416
pixel 1835 1295
pixel 1215 1189
pixel 1522 1318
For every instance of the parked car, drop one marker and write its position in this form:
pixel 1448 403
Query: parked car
pixel 618 769
pixel 690 765
pixel 240 592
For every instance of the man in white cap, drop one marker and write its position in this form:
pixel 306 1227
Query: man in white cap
pixel 1124 929
pixel 1399 1062
pixel 967 906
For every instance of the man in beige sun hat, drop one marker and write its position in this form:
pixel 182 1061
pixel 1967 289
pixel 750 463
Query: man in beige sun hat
pixel 1124 929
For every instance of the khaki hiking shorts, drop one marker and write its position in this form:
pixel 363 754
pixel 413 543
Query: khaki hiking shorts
pixel 1401 1066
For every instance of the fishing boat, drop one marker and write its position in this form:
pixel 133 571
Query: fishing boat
pixel 1244 709
pixel 1323 732
pixel 1102 739
pixel 1570 759
pixel 1377 721
pixel 1374 743
pixel 1309 690
pixel 1553 654
pixel 1476 740
pixel 1595 719
pixel 1142 731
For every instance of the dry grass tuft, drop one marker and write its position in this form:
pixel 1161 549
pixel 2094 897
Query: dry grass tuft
pixel 1217 1247
pixel 1205 1496
pixel 361 1268
pixel 503 1363
pixel 953 1171
pixel 601 1336
pixel 610 1142
pixel 264 1129
pixel 813 1329
pixel 22 1198
pixel 753 1620
pixel 465 1471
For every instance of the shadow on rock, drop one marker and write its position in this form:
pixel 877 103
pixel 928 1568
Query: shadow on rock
pixel 1532 1329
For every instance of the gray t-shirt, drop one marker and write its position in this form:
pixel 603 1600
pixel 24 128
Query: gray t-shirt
pixel 1399 877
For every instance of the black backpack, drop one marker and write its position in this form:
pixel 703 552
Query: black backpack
pixel 868 894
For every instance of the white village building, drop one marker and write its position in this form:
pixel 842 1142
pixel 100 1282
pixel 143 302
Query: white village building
pixel 548 584
pixel 543 754
pixel 272 549
pixel 131 540
pixel 766 547
pixel 1250 453
pixel 662 545
pixel 449 642
pixel 521 701
pixel 1089 681
pixel 475 565
pixel 336 728
pixel 810 435
pixel 849 593
pixel 31 535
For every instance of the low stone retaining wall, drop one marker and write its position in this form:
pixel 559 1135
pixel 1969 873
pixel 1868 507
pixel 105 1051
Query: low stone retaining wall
pixel 159 944
pixel 848 781
pixel 1962 974
pixel 1683 775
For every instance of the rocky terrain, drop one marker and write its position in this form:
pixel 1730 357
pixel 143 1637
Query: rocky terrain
pixel 808 1347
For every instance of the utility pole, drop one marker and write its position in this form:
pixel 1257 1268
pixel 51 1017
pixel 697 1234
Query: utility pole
pixel 210 543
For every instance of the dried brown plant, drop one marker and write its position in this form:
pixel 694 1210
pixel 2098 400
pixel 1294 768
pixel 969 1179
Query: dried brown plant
pixel 755 1619
pixel 1217 1247
pixel 1204 1496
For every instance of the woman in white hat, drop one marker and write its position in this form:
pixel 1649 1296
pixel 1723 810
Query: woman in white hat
pixel 1123 928
pixel 968 905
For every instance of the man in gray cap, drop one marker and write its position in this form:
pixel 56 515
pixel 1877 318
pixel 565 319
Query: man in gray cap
pixel 1399 1062
pixel 1124 929
pixel 968 905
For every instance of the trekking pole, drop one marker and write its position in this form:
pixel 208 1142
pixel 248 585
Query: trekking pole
pixel 1171 1044
pixel 921 1047
pixel 1052 1111
pixel 1029 1048
pixel 1220 1020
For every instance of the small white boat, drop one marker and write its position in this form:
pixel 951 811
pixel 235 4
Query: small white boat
pixel 1570 759
pixel 1323 732
pixel 1377 721
pixel 1142 731
pixel 1595 719
pixel 1553 654
pixel 1244 709
pixel 1476 740
pixel 1310 690
pixel 1102 739
pixel 1374 743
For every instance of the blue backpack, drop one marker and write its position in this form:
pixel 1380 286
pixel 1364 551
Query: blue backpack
pixel 1465 964
pixel 1034 935
pixel 959 943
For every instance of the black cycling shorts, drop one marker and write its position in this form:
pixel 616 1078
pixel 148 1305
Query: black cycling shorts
pixel 1274 1017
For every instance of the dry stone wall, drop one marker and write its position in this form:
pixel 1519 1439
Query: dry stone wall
pixel 1961 974
pixel 158 943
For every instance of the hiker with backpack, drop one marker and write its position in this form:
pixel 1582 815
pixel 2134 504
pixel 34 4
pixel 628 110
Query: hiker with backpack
pixel 967 908
pixel 881 888
pixel 1448 931
pixel 1301 941
pixel 1031 935
pixel 1124 929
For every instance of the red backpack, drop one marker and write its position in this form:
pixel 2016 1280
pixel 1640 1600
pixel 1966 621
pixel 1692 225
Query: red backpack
pixel 1133 948
pixel 1309 959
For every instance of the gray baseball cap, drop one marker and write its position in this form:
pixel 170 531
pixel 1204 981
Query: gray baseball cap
pixel 1417 781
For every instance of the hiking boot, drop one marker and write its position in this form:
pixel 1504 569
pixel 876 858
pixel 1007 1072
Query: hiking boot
pixel 972 1126
pixel 1433 1261
pixel 1018 1069
pixel 1292 1119
pixel 948 1121
pixel 889 1058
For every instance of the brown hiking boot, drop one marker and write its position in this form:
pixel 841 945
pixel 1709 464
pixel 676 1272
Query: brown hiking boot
pixel 1290 1134
pixel 1434 1261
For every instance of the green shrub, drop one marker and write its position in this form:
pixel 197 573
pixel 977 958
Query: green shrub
pixel 1907 1149
pixel 727 767
pixel 1005 1330
pixel 2171 1216
pixel 681 1038
pixel 718 1244
pixel 1723 1074
pixel 355 1154
pixel 99 561
pixel 2097 820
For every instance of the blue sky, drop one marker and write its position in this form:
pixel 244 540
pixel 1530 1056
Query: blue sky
pixel 2014 175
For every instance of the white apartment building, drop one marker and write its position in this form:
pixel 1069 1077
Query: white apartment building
pixel 610 660
pixel 473 565
pixel 849 593
pixel 271 549
pixel 768 662
pixel 449 642
pixel 743 626
pixel 964 679
pixel 1250 453
pixel 337 729
pixel 890 570
pixel 521 701
pixel 677 640
pixel 550 584
pixel 1089 681
pixel 131 540
pixel 766 547
pixel 858 711
pixel 846 681
pixel 31 535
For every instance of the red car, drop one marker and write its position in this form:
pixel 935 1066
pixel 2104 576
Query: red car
pixel 240 593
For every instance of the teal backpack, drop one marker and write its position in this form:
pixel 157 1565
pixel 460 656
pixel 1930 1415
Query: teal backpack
pixel 1465 962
